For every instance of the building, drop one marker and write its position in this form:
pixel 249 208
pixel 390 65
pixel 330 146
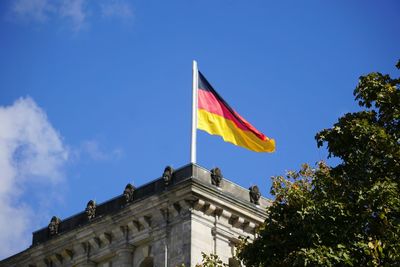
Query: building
pixel 167 222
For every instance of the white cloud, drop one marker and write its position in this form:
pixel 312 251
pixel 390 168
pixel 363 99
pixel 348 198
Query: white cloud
pixel 74 10
pixel 37 10
pixel 92 149
pixel 117 9
pixel 47 10
pixel 31 153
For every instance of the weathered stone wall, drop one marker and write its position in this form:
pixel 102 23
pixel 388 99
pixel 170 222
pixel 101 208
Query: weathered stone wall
pixel 165 225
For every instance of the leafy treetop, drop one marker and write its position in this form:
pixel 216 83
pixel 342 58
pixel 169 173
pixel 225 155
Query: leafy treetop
pixel 349 214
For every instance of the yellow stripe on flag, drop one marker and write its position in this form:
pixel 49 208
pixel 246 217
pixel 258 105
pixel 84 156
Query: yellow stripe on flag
pixel 218 125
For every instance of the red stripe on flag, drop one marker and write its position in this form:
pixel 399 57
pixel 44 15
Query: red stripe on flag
pixel 209 102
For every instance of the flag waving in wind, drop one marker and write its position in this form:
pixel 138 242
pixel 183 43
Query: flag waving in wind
pixel 216 117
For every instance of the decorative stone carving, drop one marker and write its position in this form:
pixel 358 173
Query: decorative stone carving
pixel 167 175
pixel 54 225
pixel 254 194
pixel 91 209
pixel 128 193
pixel 216 176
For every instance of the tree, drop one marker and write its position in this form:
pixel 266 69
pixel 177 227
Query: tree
pixel 211 260
pixel 349 214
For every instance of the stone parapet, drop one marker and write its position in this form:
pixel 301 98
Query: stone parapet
pixel 164 224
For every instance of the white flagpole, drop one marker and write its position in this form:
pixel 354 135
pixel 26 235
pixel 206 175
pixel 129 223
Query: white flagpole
pixel 194 113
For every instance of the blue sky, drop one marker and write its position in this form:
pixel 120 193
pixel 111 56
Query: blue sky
pixel 96 94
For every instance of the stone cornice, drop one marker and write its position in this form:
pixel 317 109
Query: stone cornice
pixel 154 208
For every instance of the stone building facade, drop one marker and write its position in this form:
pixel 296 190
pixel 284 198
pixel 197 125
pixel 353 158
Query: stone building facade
pixel 165 223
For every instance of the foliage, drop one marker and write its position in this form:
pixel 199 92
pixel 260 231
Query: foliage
pixel 211 260
pixel 347 215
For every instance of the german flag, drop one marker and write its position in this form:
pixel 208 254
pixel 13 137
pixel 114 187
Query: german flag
pixel 216 117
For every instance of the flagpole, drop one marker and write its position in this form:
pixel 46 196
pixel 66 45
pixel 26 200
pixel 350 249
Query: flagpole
pixel 194 113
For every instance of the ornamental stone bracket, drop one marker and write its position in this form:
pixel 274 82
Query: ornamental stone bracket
pixel 185 207
pixel 92 245
pixel 118 233
pixel 106 238
pixel 175 211
pixel 226 217
pixel 134 226
pixel 57 259
pixel 67 254
pixel 60 258
pixel 145 221
pixel 95 242
pixel 236 221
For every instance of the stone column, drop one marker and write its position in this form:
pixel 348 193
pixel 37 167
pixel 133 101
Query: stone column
pixel 222 234
pixel 223 249
pixel 124 257
pixel 87 264
pixel 41 264
pixel 158 252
